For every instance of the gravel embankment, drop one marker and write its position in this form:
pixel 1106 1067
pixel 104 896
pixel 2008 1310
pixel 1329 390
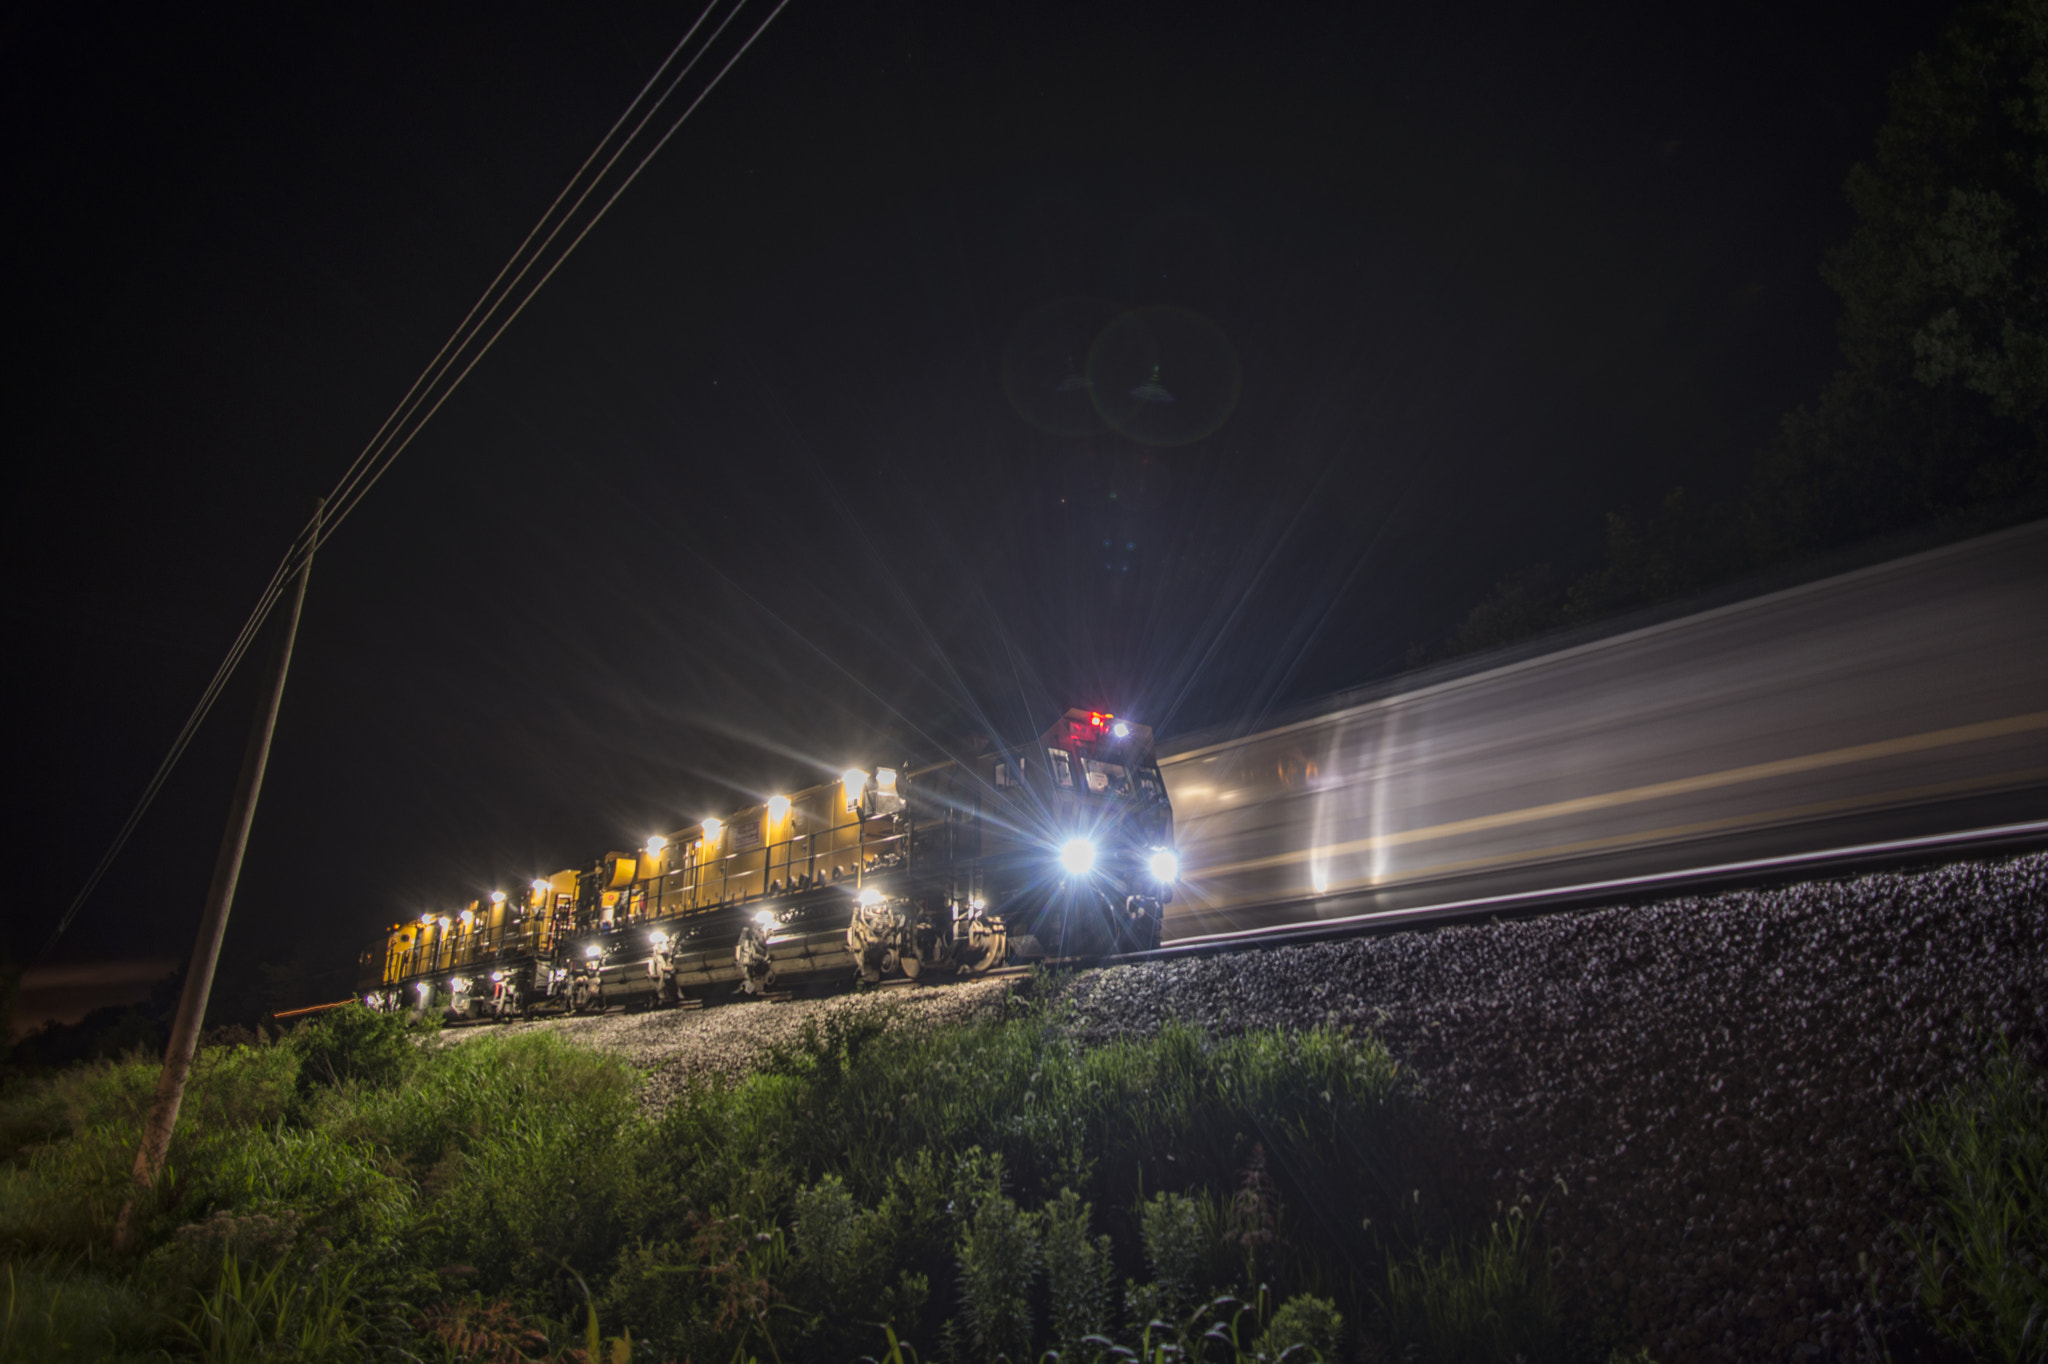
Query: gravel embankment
pixel 1707 1092
pixel 724 1042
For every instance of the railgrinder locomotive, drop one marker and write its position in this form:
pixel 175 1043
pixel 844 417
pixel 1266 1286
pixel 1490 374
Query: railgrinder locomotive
pixel 1057 850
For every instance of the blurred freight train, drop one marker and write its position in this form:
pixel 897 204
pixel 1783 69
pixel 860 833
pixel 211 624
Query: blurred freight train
pixel 1060 849
pixel 1905 701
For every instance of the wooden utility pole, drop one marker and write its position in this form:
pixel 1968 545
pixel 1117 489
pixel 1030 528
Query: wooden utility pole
pixel 227 869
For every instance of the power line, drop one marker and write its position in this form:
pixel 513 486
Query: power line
pixel 410 417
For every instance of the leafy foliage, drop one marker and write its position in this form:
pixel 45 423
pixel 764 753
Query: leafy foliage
pixel 1942 401
pixel 360 1190
pixel 353 1044
pixel 1938 416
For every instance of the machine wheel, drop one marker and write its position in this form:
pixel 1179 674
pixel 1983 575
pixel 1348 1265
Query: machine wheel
pixel 988 945
pixel 756 964
pixel 581 996
pixel 671 993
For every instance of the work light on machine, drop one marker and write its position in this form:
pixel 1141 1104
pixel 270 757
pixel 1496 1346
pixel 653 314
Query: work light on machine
pixel 1077 855
pixel 855 781
pixel 1120 730
pixel 593 951
pixel 712 828
pixel 658 938
pixel 655 845
pixel 468 916
pixel 778 806
pixel 498 977
pixel 426 921
pixel 766 919
pixel 540 887
pixel 1164 865
pixel 497 897
pixel 870 897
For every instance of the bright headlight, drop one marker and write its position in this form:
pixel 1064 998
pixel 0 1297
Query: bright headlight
pixel 1077 855
pixel 593 952
pixel 1165 865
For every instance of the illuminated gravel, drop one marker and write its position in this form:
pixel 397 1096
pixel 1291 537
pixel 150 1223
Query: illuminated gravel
pixel 679 1047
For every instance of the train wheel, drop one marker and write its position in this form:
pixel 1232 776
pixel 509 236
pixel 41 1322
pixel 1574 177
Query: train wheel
pixel 671 993
pixel 579 996
pixel 988 945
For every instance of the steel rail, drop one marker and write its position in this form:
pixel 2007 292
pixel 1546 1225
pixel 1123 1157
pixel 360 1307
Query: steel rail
pixel 1723 875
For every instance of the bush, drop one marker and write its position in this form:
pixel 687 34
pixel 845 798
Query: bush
pixel 1079 1273
pixel 355 1045
pixel 998 1262
pixel 1308 1327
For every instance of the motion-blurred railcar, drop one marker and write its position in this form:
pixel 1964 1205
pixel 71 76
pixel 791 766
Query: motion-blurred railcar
pixel 1056 850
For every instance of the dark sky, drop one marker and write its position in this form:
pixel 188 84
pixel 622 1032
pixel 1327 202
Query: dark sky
pixel 745 496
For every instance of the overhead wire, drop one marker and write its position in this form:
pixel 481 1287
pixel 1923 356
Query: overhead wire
pixel 328 528
pixel 460 336
pixel 406 420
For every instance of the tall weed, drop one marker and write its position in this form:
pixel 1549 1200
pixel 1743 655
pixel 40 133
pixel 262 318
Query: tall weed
pixel 1478 1301
pixel 1983 1154
pixel 256 1314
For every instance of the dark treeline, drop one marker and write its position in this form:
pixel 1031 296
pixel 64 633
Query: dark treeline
pixel 246 993
pixel 1937 420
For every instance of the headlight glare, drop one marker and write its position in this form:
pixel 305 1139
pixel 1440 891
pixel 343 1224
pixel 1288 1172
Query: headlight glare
pixel 1164 865
pixel 1077 855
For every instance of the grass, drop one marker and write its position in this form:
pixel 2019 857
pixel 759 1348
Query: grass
pixel 993 1190
pixel 1982 1153
pixel 53 1310
pixel 1477 1301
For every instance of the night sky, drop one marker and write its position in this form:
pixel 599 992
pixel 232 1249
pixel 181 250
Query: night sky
pixel 778 474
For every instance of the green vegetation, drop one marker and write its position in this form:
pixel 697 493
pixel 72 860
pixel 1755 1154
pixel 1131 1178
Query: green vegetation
pixel 1983 1154
pixel 1474 1303
pixel 361 1190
